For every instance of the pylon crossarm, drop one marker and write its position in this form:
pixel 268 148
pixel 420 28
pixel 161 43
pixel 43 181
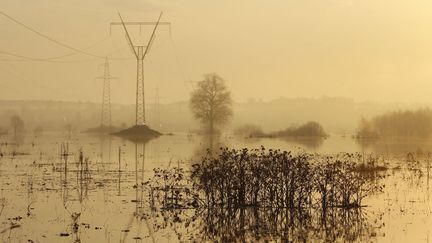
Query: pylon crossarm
pixel 128 37
pixel 152 36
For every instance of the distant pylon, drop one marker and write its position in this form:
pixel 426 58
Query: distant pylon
pixel 106 96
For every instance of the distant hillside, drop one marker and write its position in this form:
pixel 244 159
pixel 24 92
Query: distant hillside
pixel 336 114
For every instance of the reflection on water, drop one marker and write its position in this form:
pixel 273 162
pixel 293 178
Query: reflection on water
pixel 310 143
pixel 395 145
pixel 279 225
pixel 80 188
pixel 175 206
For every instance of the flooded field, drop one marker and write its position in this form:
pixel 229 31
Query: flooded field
pixel 83 188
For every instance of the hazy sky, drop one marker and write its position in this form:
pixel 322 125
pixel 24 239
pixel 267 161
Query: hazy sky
pixel 378 50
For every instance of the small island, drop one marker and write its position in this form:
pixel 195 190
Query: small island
pixel 311 129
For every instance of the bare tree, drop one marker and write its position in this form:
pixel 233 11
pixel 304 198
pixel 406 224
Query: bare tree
pixel 211 102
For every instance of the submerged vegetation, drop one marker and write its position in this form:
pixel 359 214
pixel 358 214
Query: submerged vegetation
pixel 232 196
pixel 263 193
pixel 261 178
pixel 406 123
pixel 272 178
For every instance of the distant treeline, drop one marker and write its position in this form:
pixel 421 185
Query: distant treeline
pixel 408 123
pixel 308 129
pixel 337 115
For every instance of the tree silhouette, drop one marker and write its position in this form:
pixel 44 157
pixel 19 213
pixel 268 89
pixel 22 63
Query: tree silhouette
pixel 211 102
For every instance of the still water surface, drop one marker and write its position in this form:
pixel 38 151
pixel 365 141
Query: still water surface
pixel 40 201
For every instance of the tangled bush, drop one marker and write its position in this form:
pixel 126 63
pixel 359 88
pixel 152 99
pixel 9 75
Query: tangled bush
pixel 250 195
pixel 261 178
pixel 268 179
pixel 169 189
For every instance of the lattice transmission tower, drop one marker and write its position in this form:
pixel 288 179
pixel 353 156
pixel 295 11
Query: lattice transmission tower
pixel 106 95
pixel 140 52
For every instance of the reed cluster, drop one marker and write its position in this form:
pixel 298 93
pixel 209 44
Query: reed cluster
pixel 278 179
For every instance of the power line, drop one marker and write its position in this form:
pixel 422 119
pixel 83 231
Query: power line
pixel 49 59
pixel 73 53
pixel 21 76
pixel 37 59
pixel 52 59
pixel 47 37
pixel 95 44
pixel 179 64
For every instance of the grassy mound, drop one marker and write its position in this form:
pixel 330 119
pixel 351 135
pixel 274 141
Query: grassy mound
pixel 309 129
pixel 138 132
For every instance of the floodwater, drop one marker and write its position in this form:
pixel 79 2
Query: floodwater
pixel 47 197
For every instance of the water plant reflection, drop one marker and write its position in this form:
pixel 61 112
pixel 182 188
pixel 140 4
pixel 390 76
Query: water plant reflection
pixel 254 194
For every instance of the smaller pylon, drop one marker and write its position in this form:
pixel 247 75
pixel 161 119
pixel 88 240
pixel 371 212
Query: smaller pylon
pixel 106 96
pixel 105 122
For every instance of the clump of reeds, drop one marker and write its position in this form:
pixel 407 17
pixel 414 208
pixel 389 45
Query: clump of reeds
pixel 268 179
pixel 170 189
pixel 248 194
pixel 344 181
pixel 274 178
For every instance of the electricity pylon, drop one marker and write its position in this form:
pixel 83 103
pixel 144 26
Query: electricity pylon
pixel 140 52
pixel 106 96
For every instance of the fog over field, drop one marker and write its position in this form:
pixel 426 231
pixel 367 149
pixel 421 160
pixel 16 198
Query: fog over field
pixel 337 115
pixel 215 121
pixel 367 50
